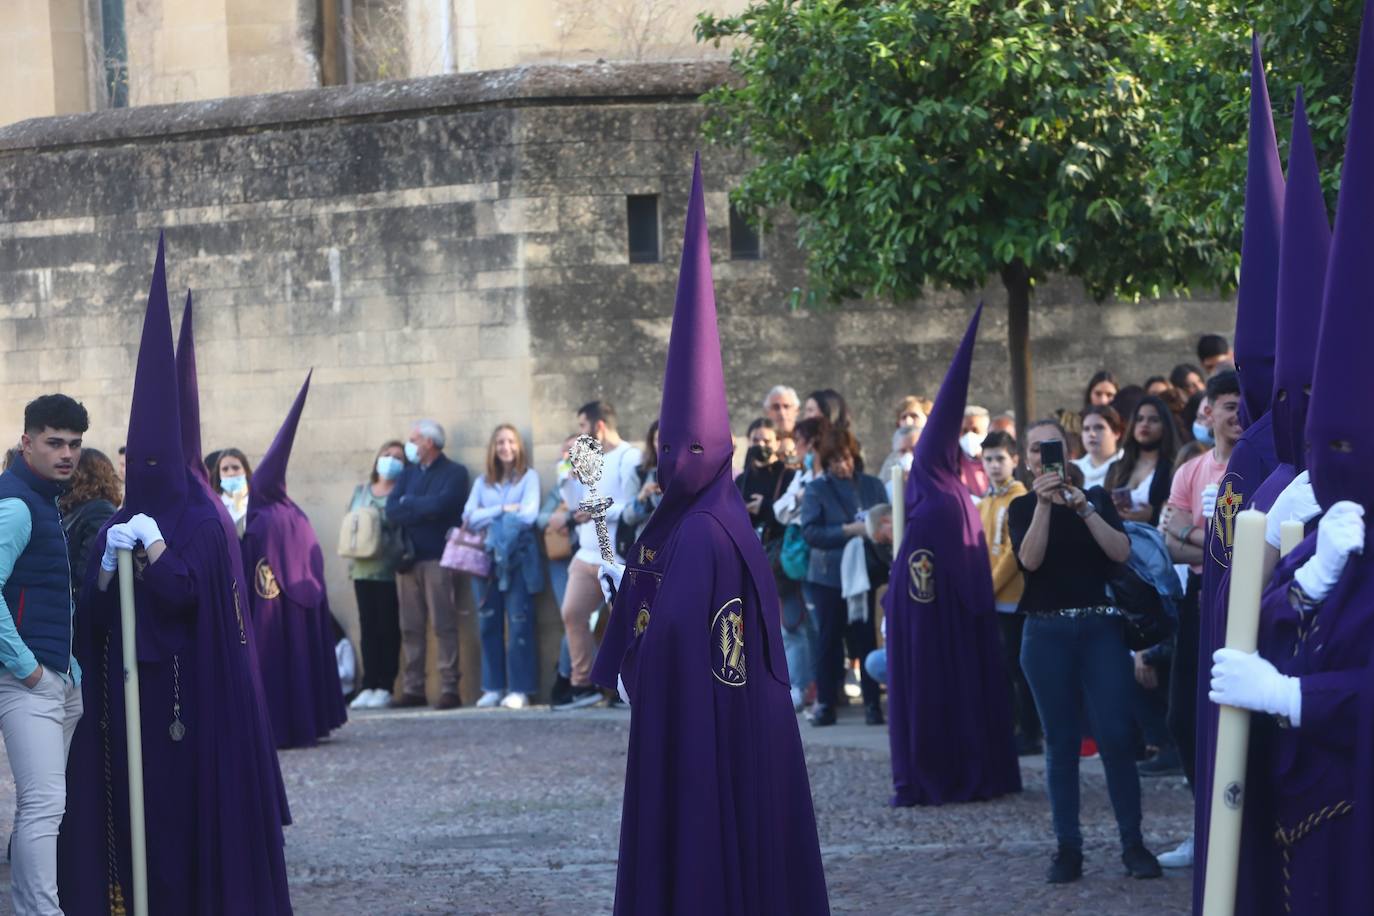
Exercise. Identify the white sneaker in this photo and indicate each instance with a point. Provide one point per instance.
(1182, 857)
(362, 701)
(515, 701)
(798, 699)
(381, 699)
(489, 699)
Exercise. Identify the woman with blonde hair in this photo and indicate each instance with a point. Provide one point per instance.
(504, 504)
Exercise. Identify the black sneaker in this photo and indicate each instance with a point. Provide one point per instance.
(873, 715)
(1066, 866)
(824, 715)
(582, 697)
(1140, 862)
(1165, 763)
(561, 691)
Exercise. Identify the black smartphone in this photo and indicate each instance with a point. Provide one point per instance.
(1052, 457)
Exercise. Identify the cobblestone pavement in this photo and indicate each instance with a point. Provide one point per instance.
(501, 811)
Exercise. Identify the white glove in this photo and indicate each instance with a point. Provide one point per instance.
(620, 689)
(1246, 681)
(1209, 501)
(119, 537)
(1339, 534)
(145, 529)
(609, 579)
(1297, 503)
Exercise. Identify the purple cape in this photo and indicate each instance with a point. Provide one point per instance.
(212, 798)
(292, 622)
(717, 815)
(188, 390)
(950, 724)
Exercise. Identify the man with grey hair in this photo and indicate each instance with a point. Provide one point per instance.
(781, 405)
(426, 502)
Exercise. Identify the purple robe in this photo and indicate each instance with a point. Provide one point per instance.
(211, 791)
(717, 816)
(292, 623)
(949, 711)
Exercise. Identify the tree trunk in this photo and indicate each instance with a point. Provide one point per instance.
(1016, 279)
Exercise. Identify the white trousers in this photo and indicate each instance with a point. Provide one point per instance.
(37, 723)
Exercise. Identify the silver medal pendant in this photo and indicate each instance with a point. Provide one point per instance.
(176, 730)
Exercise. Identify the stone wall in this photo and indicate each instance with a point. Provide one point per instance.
(453, 247)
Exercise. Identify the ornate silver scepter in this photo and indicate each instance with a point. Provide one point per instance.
(587, 461)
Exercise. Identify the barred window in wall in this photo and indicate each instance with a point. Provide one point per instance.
(114, 48)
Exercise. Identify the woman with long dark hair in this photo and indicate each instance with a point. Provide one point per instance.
(1102, 388)
(1139, 480)
(230, 480)
(638, 511)
(94, 496)
(374, 585)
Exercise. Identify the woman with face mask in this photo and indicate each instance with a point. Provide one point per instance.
(230, 479)
(374, 585)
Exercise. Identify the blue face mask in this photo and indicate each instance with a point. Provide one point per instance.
(389, 467)
(1203, 434)
(808, 461)
(412, 453)
(232, 485)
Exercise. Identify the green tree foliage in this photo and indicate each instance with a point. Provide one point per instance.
(938, 142)
(1202, 71)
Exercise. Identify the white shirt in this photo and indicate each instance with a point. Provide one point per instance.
(619, 481)
(1095, 476)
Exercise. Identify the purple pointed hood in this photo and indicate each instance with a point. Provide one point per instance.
(1302, 273)
(155, 477)
(694, 441)
(1340, 438)
(937, 451)
(269, 478)
(1256, 301)
(189, 389)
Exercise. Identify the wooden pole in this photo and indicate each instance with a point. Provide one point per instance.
(133, 731)
(1233, 725)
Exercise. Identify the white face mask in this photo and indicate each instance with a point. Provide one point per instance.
(971, 443)
(389, 467)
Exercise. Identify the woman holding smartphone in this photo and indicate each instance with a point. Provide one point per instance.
(1139, 481)
(1073, 651)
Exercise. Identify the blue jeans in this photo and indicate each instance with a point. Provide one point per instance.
(799, 635)
(558, 580)
(1073, 662)
(497, 610)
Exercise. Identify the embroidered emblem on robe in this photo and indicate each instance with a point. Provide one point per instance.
(921, 578)
(727, 645)
(265, 581)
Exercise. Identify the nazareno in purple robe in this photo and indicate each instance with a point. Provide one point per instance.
(212, 790)
(292, 622)
(188, 389)
(949, 710)
(717, 815)
(1302, 274)
(1322, 832)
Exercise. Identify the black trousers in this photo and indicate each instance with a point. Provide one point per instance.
(832, 617)
(1183, 677)
(1009, 627)
(379, 616)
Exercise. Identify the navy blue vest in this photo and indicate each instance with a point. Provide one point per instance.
(39, 590)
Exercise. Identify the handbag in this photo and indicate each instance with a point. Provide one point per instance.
(558, 544)
(1148, 623)
(796, 553)
(465, 552)
(360, 532)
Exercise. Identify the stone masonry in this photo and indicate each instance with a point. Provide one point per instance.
(456, 247)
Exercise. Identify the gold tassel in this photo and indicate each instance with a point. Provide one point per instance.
(117, 901)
